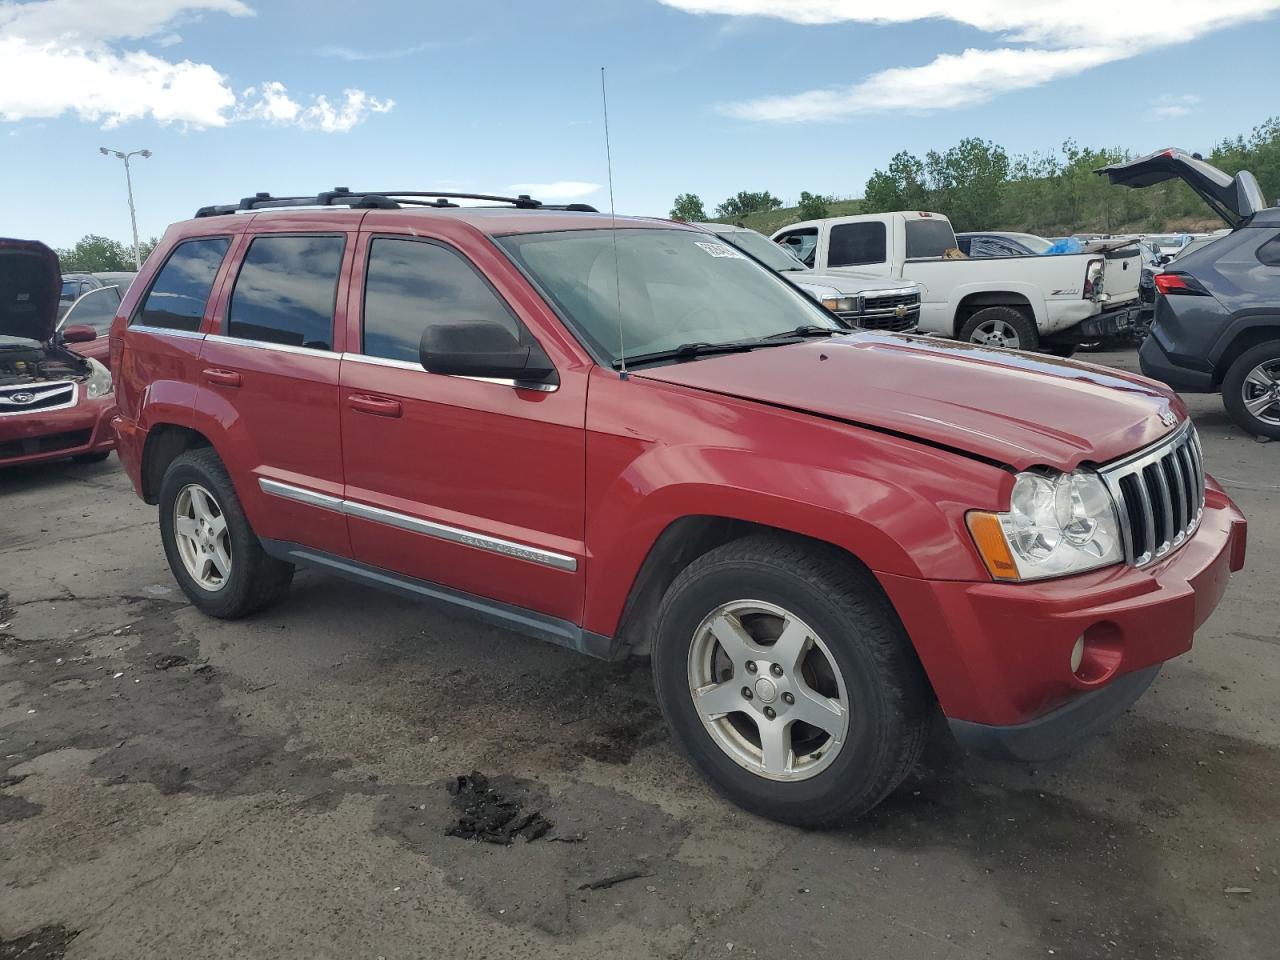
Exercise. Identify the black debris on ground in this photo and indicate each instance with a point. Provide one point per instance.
(604, 883)
(485, 814)
(47, 943)
(171, 660)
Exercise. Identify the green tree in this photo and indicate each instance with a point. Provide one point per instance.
(965, 182)
(97, 254)
(901, 187)
(688, 209)
(813, 206)
(745, 202)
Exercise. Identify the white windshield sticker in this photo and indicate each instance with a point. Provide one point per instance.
(719, 250)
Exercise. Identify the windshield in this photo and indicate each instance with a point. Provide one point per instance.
(677, 287)
(763, 249)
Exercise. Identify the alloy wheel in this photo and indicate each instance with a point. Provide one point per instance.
(201, 534)
(996, 333)
(1261, 391)
(768, 690)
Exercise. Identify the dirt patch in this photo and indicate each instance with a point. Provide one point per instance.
(487, 815)
(47, 943)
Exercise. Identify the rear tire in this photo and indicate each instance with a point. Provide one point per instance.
(1252, 381)
(213, 552)
(855, 672)
(1005, 327)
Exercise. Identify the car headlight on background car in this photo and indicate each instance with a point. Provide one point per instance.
(1057, 524)
(99, 384)
(841, 304)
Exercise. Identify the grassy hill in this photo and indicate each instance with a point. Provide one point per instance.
(771, 221)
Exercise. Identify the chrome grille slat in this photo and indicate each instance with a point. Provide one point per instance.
(1159, 494)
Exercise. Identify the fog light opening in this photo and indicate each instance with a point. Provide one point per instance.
(1097, 653)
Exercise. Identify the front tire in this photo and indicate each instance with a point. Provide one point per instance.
(1251, 390)
(788, 680)
(1004, 327)
(213, 552)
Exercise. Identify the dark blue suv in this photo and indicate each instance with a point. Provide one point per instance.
(1217, 312)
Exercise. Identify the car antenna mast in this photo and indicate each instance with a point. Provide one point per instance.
(613, 228)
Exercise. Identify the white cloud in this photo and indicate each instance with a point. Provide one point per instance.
(559, 191)
(352, 55)
(1175, 106)
(67, 56)
(1061, 38)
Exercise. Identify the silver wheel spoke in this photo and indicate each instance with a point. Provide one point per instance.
(217, 525)
(734, 639)
(1260, 377)
(200, 505)
(716, 700)
(1259, 405)
(819, 711)
(221, 560)
(775, 746)
(185, 527)
(791, 645)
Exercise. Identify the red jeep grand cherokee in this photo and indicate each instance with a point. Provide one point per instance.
(53, 403)
(821, 537)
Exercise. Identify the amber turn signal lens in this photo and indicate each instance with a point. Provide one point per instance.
(992, 546)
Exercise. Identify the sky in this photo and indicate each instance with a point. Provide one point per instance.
(710, 97)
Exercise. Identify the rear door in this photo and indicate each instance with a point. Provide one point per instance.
(474, 484)
(269, 377)
(1235, 199)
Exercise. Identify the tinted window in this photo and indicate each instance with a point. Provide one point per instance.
(285, 290)
(97, 308)
(964, 243)
(855, 243)
(801, 243)
(410, 285)
(1269, 252)
(928, 238)
(177, 299)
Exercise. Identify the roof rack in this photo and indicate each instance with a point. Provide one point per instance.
(381, 200)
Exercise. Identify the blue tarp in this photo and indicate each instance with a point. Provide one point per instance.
(1065, 245)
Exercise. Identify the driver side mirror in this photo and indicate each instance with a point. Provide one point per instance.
(482, 349)
(79, 333)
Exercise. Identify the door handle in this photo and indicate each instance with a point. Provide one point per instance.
(375, 406)
(227, 378)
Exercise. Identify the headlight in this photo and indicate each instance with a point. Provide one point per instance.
(1057, 524)
(841, 304)
(99, 384)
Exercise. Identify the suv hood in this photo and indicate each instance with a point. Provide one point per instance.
(30, 283)
(1234, 199)
(1017, 409)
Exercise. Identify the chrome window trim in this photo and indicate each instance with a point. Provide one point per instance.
(268, 345)
(167, 331)
(439, 531)
(41, 390)
(409, 365)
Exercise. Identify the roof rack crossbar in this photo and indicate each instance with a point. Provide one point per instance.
(381, 199)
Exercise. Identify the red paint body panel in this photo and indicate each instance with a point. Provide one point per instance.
(90, 417)
(877, 444)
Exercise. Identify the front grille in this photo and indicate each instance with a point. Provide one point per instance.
(1160, 493)
(883, 313)
(48, 443)
(36, 397)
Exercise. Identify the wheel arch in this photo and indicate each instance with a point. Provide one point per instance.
(1255, 330)
(971, 303)
(165, 443)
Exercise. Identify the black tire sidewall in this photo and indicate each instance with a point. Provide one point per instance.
(1233, 387)
(1028, 335)
(854, 781)
(199, 467)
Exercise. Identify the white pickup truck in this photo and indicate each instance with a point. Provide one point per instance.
(1042, 302)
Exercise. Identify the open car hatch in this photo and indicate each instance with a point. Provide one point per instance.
(1234, 199)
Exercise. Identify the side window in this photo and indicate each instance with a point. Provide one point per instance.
(412, 284)
(177, 299)
(97, 309)
(285, 290)
(801, 243)
(1269, 252)
(965, 244)
(857, 243)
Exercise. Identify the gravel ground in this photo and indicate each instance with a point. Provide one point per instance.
(173, 786)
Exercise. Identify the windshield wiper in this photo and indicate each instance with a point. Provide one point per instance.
(804, 330)
(687, 351)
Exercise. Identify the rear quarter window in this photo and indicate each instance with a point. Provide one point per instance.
(1269, 252)
(929, 239)
(180, 293)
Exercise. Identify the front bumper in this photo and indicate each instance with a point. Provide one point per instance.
(998, 654)
(39, 436)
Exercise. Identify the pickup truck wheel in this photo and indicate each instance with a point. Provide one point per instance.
(788, 680)
(213, 552)
(1004, 327)
(1251, 390)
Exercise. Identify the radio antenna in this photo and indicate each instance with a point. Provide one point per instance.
(613, 228)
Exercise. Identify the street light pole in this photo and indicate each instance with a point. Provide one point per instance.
(128, 179)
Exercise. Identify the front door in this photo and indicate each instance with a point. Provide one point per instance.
(269, 378)
(473, 484)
